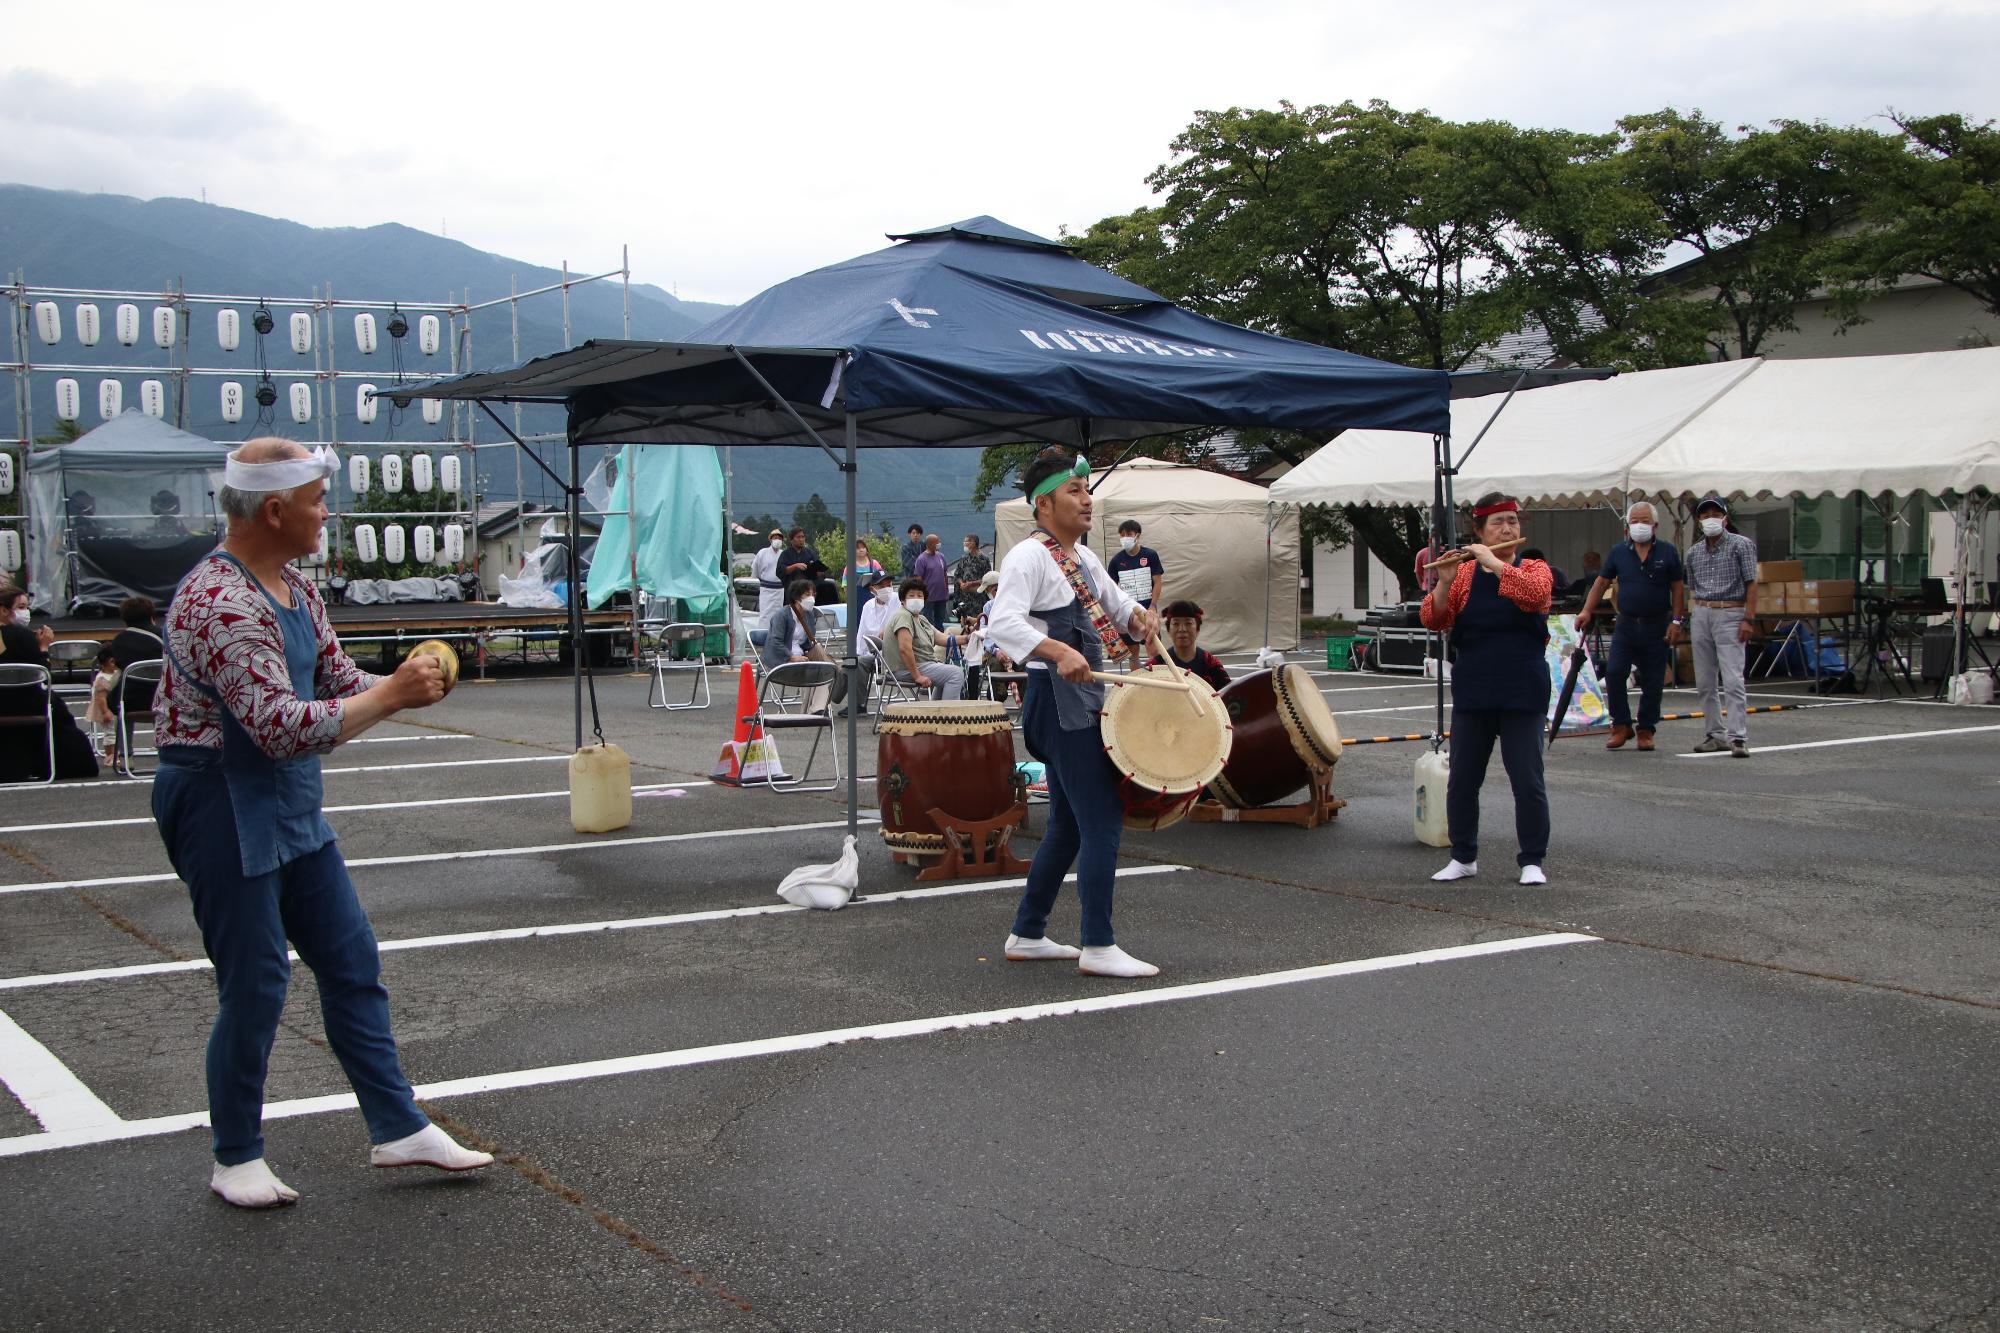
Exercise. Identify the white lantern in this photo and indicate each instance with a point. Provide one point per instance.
(420, 472)
(365, 404)
(427, 544)
(128, 325)
(153, 398)
(228, 329)
(392, 543)
(232, 401)
(48, 321)
(10, 550)
(166, 325)
(357, 474)
(433, 410)
(69, 400)
(110, 398)
(87, 324)
(392, 473)
(427, 334)
(364, 333)
(448, 468)
(302, 403)
(364, 543)
(320, 549)
(6, 474)
(454, 543)
(302, 332)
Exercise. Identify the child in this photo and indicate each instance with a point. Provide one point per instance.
(103, 711)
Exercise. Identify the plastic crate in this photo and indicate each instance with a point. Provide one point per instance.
(1340, 652)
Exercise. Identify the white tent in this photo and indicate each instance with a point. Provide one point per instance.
(1222, 542)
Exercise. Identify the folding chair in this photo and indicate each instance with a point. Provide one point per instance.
(66, 658)
(23, 680)
(141, 679)
(889, 689)
(680, 632)
(802, 678)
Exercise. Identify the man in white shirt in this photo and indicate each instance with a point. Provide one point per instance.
(764, 568)
(876, 609)
(1044, 620)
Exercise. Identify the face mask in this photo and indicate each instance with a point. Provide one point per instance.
(777, 543)
(21, 617)
(1128, 542)
(1711, 527)
(807, 603)
(914, 605)
(883, 595)
(1642, 533)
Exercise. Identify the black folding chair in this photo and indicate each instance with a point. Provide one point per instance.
(801, 678)
(24, 681)
(138, 688)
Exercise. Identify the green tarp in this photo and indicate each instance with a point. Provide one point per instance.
(678, 522)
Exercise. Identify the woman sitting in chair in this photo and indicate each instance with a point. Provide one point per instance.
(791, 634)
(24, 755)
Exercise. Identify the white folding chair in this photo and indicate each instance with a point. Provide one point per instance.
(799, 679)
(140, 682)
(680, 632)
(24, 682)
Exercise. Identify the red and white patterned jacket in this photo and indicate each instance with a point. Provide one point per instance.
(222, 626)
(1529, 585)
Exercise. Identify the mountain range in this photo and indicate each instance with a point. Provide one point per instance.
(106, 243)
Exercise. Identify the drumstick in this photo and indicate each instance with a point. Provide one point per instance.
(1173, 669)
(1456, 556)
(1149, 682)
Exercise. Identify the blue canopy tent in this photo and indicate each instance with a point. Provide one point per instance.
(966, 335)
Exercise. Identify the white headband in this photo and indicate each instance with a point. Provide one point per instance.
(281, 474)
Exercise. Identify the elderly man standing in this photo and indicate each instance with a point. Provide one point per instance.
(255, 689)
(764, 568)
(1652, 604)
(1722, 586)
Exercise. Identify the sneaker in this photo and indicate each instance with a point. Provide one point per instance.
(1739, 749)
(1533, 875)
(1709, 745)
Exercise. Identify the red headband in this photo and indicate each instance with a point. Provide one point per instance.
(1497, 507)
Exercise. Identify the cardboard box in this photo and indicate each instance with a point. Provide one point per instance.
(1772, 599)
(1780, 571)
(1822, 597)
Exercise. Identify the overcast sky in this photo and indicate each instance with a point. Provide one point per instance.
(732, 146)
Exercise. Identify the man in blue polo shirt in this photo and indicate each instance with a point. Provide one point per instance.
(1652, 603)
(1137, 568)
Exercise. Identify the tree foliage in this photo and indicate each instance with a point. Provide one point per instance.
(1931, 202)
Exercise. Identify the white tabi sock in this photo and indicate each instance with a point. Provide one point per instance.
(1020, 950)
(429, 1146)
(1112, 961)
(1457, 870)
(251, 1185)
(1533, 875)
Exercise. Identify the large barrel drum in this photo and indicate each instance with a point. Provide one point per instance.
(1166, 744)
(1283, 734)
(956, 756)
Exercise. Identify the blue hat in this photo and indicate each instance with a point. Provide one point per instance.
(1712, 501)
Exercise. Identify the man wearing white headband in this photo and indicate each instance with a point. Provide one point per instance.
(255, 689)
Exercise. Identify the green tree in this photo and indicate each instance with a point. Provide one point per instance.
(815, 518)
(760, 526)
(1931, 202)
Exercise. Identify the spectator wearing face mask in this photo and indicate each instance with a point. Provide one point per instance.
(24, 750)
(1137, 568)
(1722, 590)
(936, 576)
(971, 567)
(913, 548)
(876, 608)
(1652, 603)
(916, 650)
(764, 568)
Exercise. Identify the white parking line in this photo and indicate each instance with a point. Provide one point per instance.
(482, 854)
(422, 736)
(1850, 740)
(43, 1084)
(805, 1041)
(126, 784)
(573, 928)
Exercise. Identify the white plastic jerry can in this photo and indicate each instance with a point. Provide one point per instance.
(1433, 773)
(600, 789)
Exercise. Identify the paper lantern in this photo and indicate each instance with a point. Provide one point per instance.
(427, 334)
(392, 473)
(427, 544)
(357, 474)
(69, 400)
(448, 469)
(454, 543)
(320, 549)
(166, 325)
(10, 550)
(6, 474)
(128, 325)
(110, 398)
(87, 327)
(153, 398)
(364, 333)
(420, 472)
(232, 401)
(433, 410)
(48, 321)
(364, 543)
(302, 403)
(228, 329)
(365, 404)
(392, 543)
(302, 332)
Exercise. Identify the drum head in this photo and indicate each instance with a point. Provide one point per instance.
(1158, 741)
(946, 717)
(1308, 721)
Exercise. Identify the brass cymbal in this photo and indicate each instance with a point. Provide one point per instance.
(447, 659)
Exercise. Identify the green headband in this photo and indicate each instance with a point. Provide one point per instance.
(1055, 479)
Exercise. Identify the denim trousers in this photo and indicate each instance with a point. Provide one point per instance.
(1643, 646)
(244, 923)
(1473, 731)
(1085, 820)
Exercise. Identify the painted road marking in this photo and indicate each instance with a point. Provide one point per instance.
(805, 1041)
(575, 928)
(43, 1084)
(1851, 740)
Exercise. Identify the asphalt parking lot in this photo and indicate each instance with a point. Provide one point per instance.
(1737, 1066)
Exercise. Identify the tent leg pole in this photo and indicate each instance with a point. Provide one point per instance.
(572, 510)
(852, 664)
(1442, 452)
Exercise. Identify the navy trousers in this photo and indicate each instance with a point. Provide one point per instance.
(244, 925)
(1085, 820)
(1473, 731)
(1643, 646)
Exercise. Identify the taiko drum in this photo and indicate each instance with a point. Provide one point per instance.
(1283, 734)
(955, 756)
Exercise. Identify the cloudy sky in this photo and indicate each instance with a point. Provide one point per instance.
(732, 146)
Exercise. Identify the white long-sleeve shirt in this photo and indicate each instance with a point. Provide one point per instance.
(875, 614)
(1031, 578)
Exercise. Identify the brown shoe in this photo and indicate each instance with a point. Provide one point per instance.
(1645, 740)
(1620, 733)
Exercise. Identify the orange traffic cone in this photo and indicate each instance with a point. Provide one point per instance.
(729, 764)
